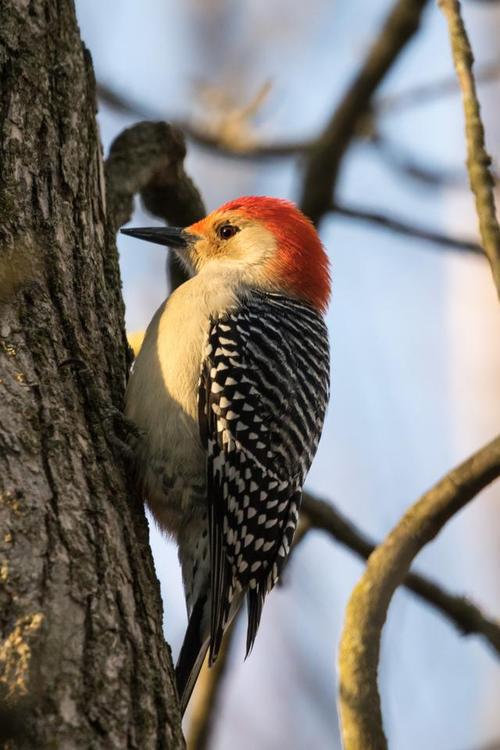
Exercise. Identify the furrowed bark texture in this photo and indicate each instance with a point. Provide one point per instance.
(83, 662)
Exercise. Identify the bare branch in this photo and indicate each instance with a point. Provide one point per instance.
(359, 700)
(461, 612)
(326, 155)
(478, 160)
(401, 227)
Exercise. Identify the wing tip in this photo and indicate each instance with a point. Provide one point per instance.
(255, 602)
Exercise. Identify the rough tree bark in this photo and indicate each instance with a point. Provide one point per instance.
(83, 662)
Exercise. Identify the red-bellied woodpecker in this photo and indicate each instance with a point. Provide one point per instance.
(229, 392)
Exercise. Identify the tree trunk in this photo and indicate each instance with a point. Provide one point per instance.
(83, 662)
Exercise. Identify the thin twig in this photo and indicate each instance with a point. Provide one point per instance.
(326, 156)
(428, 92)
(359, 700)
(478, 160)
(404, 163)
(410, 230)
(462, 613)
(397, 158)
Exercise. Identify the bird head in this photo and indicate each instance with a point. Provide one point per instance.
(260, 242)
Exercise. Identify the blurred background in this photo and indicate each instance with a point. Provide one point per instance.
(414, 328)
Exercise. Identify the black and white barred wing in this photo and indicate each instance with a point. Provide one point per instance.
(262, 401)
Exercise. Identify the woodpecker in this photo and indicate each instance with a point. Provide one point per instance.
(229, 393)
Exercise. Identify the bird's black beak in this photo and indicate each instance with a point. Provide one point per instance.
(169, 236)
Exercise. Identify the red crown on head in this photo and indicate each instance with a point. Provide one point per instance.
(301, 262)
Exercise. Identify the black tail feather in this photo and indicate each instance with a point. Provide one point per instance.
(192, 654)
(221, 587)
(220, 613)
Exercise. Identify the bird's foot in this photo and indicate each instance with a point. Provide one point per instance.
(125, 435)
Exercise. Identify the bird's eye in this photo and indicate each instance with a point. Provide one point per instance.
(226, 231)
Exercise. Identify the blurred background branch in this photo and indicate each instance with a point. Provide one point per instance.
(426, 174)
(147, 159)
(200, 134)
(326, 155)
(208, 138)
(391, 223)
